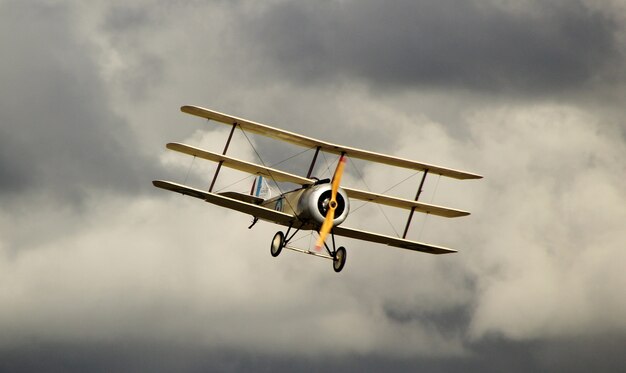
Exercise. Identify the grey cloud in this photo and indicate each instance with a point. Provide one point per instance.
(144, 284)
(127, 27)
(59, 135)
(601, 353)
(552, 47)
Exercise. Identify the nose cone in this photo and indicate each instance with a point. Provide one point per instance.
(315, 203)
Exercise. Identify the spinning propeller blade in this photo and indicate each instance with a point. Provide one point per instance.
(332, 205)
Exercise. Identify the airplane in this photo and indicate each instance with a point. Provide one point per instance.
(319, 205)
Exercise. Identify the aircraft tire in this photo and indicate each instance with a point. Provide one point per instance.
(277, 244)
(339, 260)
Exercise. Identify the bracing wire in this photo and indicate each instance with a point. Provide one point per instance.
(378, 205)
(390, 188)
(327, 164)
(293, 156)
(328, 169)
(264, 165)
(271, 166)
(189, 169)
(235, 183)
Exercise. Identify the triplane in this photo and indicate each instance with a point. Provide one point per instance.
(320, 205)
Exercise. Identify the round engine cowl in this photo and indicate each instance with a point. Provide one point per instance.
(313, 204)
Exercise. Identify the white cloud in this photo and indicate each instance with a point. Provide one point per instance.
(539, 258)
(550, 226)
(170, 268)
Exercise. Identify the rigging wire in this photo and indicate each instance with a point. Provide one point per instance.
(390, 188)
(264, 165)
(235, 183)
(189, 169)
(368, 188)
(293, 156)
(328, 169)
(326, 163)
(271, 166)
(377, 204)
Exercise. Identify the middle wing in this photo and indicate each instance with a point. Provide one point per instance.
(281, 176)
(402, 203)
(270, 173)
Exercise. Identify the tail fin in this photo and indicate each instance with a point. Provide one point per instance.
(260, 188)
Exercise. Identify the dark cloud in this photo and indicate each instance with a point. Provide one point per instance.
(549, 47)
(451, 322)
(127, 26)
(163, 283)
(580, 355)
(59, 135)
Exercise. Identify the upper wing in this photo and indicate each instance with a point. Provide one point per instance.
(221, 200)
(391, 241)
(309, 142)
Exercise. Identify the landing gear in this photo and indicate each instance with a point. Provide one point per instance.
(281, 240)
(277, 244)
(339, 259)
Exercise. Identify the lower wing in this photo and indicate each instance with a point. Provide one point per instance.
(391, 241)
(230, 203)
(282, 218)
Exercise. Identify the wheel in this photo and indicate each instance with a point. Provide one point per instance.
(277, 244)
(339, 259)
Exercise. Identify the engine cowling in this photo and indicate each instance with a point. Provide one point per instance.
(313, 204)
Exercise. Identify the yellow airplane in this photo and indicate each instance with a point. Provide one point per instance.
(320, 205)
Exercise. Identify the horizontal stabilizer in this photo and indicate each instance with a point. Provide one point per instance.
(309, 142)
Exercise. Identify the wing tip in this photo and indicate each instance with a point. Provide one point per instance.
(196, 110)
(462, 175)
(429, 249)
(188, 108)
(159, 183)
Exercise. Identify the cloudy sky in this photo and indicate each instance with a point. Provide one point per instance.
(100, 271)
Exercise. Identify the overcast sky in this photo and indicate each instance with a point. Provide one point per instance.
(101, 271)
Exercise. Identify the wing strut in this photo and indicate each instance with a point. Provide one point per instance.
(317, 151)
(417, 197)
(219, 165)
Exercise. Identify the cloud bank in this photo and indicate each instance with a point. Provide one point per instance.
(100, 271)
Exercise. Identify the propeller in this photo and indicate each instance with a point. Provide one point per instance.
(332, 205)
